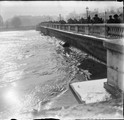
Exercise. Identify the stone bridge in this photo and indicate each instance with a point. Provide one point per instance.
(102, 41)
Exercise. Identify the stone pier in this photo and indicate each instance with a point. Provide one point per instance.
(115, 67)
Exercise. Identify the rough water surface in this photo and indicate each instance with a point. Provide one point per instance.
(33, 70)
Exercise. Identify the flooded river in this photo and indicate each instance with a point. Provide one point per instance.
(33, 69)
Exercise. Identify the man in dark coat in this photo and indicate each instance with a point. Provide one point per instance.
(110, 20)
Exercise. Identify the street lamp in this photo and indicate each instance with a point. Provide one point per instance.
(87, 13)
(105, 24)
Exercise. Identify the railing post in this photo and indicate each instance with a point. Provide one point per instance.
(76, 28)
(60, 26)
(87, 29)
(68, 27)
(105, 31)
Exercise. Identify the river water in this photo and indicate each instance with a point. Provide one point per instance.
(33, 69)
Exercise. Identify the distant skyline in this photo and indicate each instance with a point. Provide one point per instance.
(8, 9)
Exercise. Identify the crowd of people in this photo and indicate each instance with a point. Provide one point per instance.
(115, 19)
(95, 20)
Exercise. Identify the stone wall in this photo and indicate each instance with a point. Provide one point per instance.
(91, 45)
(115, 64)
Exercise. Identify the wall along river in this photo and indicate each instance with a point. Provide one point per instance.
(33, 69)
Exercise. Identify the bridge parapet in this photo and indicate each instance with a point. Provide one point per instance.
(109, 31)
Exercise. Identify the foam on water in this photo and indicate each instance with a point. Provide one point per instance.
(33, 70)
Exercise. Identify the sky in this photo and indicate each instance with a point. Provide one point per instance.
(8, 9)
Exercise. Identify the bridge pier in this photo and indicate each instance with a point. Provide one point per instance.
(115, 68)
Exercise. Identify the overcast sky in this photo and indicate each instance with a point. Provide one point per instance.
(9, 9)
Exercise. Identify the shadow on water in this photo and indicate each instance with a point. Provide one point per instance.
(97, 70)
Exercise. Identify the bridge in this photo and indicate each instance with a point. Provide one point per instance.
(102, 41)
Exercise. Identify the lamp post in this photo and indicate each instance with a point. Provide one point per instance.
(87, 13)
(87, 31)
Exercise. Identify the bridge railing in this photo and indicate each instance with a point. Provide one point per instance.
(100, 30)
